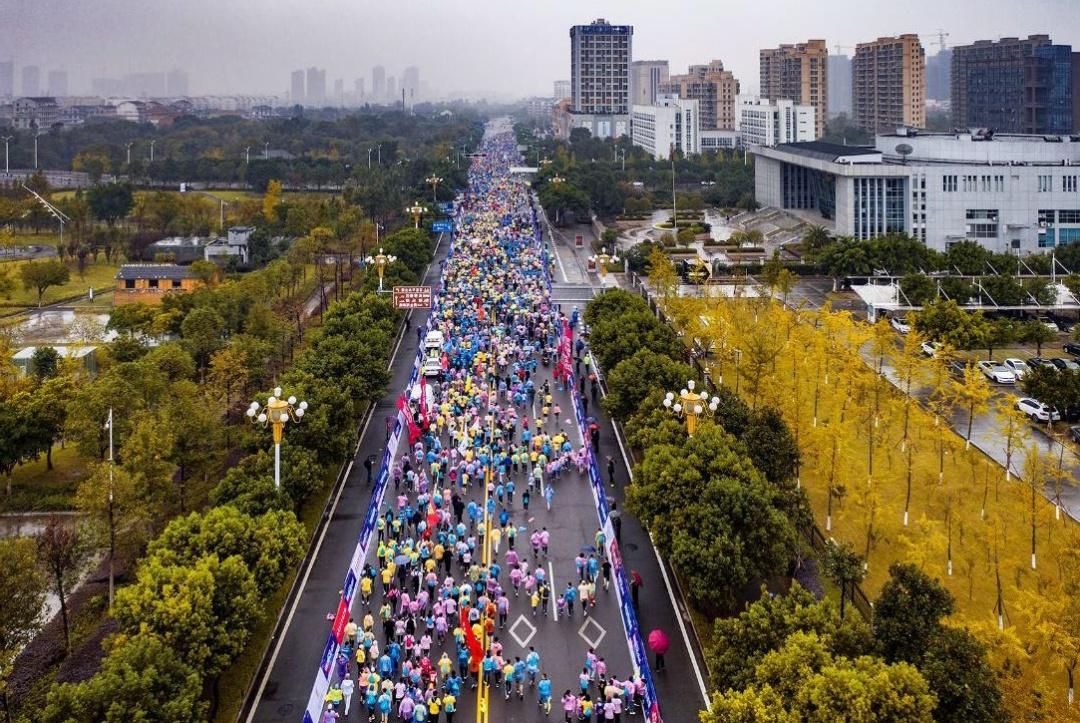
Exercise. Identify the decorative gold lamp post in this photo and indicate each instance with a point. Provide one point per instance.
(277, 413)
(690, 405)
(381, 261)
(434, 182)
(417, 211)
(602, 259)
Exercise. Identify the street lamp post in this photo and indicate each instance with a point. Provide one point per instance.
(434, 181)
(417, 211)
(690, 405)
(152, 151)
(602, 259)
(128, 146)
(247, 154)
(7, 164)
(266, 151)
(277, 413)
(381, 261)
(36, 135)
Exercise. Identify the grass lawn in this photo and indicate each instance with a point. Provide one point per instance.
(49, 238)
(35, 489)
(100, 275)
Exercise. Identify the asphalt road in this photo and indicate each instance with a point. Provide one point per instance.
(572, 523)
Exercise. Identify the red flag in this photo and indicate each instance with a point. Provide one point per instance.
(414, 431)
(476, 650)
(564, 366)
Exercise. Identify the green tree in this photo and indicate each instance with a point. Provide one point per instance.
(203, 611)
(270, 545)
(845, 568)
(1037, 333)
(40, 275)
(44, 363)
(908, 613)
(635, 377)
(617, 338)
(46, 411)
(110, 202)
(205, 271)
(918, 289)
(249, 486)
(771, 445)
(141, 679)
(21, 605)
(739, 643)
(203, 332)
(803, 681)
(131, 318)
(957, 670)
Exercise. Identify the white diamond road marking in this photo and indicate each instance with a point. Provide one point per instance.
(584, 636)
(532, 631)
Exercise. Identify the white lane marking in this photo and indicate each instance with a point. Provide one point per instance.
(558, 258)
(593, 642)
(521, 619)
(322, 535)
(551, 587)
(663, 572)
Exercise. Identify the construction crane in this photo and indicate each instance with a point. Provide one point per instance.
(941, 35)
(840, 48)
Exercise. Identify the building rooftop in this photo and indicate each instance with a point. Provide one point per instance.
(68, 352)
(153, 271)
(831, 152)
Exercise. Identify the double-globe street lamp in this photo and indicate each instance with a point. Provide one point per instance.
(691, 405)
(277, 412)
(381, 261)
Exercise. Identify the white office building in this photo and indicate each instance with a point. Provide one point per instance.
(671, 123)
(764, 122)
(1010, 193)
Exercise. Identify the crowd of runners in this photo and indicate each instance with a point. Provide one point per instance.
(462, 548)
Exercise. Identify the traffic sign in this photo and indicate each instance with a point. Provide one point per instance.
(412, 297)
(442, 226)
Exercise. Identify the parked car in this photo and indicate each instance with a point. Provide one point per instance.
(1036, 410)
(1074, 432)
(1018, 366)
(900, 324)
(1064, 364)
(997, 373)
(1072, 347)
(1038, 361)
(930, 348)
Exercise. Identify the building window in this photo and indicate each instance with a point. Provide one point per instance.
(153, 283)
(1045, 183)
(1068, 184)
(129, 283)
(982, 223)
(948, 184)
(1068, 216)
(176, 284)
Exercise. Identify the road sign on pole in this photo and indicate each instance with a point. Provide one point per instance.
(412, 297)
(445, 226)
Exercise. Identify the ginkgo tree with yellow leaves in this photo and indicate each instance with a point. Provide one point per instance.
(885, 472)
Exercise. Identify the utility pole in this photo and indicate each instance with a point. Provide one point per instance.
(128, 146)
(266, 151)
(36, 134)
(152, 150)
(7, 164)
(112, 528)
(247, 154)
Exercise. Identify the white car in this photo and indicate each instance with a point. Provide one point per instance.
(434, 340)
(1036, 410)
(997, 373)
(433, 364)
(1019, 367)
(931, 348)
(899, 324)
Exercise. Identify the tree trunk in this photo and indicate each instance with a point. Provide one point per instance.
(48, 457)
(63, 609)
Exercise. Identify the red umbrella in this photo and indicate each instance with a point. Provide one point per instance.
(658, 641)
(635, 579)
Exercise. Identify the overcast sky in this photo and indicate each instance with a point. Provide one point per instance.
(512, 47)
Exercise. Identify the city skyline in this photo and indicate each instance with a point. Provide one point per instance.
(462, 50)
